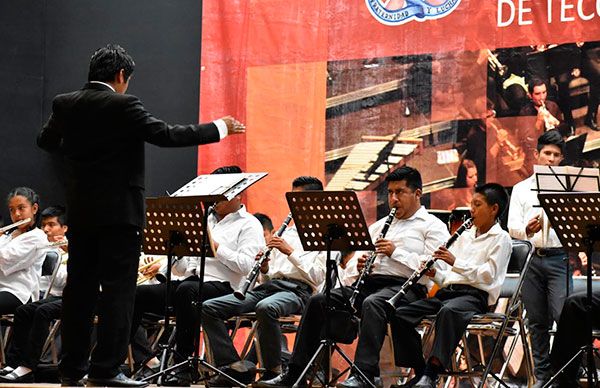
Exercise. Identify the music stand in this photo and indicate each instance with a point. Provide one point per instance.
(174, 227)
(577, 220)
(326, 221)
(205, 190)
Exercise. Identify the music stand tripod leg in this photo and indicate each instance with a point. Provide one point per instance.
(328, 344)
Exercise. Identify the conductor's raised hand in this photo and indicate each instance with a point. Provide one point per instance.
(234, 127)
(444, 254)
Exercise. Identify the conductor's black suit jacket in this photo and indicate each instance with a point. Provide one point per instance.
(101, 135)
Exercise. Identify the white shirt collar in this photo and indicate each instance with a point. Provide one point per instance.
(105, 84)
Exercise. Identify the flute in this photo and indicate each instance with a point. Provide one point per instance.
(14, 225)
(57, 244)
(371, 259)
(418, 274)
(253, 275)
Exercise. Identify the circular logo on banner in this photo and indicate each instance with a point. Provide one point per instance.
(396, 12)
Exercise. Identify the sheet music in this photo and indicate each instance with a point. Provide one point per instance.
(566, 178)
(228, 185)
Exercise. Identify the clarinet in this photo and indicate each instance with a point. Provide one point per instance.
(253, 275)
(418, 274)
(371, 259)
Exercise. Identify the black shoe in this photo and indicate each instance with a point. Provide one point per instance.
(268, 375)
(27, 378)
(353, 381)
(119, 380)
(71, 382)
(182, 378)
(425, 382)
(221, 381)
(145, 372)
(284, 380)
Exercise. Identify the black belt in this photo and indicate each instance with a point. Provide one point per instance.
(544, 252)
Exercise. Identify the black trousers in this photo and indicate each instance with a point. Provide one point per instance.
(8, 303)
(30, 330)
(454, 306)
(106, 257)
(572, 332)
(375, 314)
(184, 295)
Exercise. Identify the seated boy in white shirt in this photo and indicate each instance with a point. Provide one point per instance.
(477, 263)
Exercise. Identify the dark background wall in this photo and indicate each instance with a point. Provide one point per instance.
(45, 50)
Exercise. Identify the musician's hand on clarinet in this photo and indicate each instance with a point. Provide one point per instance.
(385, 247)
(444, 254)
(234, 127)
(281, 245)
(264, 267)
(533, 226)
(430, 272)
(360, 263)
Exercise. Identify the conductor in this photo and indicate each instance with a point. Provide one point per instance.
(100, 132)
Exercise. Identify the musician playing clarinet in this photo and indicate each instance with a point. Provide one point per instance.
(477, 264)
(288, 278)
(412, 235)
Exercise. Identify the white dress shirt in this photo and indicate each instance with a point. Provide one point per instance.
(524, 205)
(21, 261)
(240, 237)
(416, 238)
(481, 261)
(308, 267)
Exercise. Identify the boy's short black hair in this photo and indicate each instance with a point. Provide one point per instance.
(57, 211)
(265, 221)
(309, 183)
(552, 137)
(228, 170)
(494, 194)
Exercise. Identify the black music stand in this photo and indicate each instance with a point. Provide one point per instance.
(326, 221)
(205, 190)
(175, 226)
(565, 179)
(576, 217)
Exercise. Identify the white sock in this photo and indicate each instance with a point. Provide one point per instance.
(21, 371)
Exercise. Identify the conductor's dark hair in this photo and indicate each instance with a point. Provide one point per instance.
(265, 221)
(408, 174)
(107, 61)
(30, 195)
(494, 194)
(552, 137)
(535, 81)
(57, 211)
(308, 183)
(228, 170)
